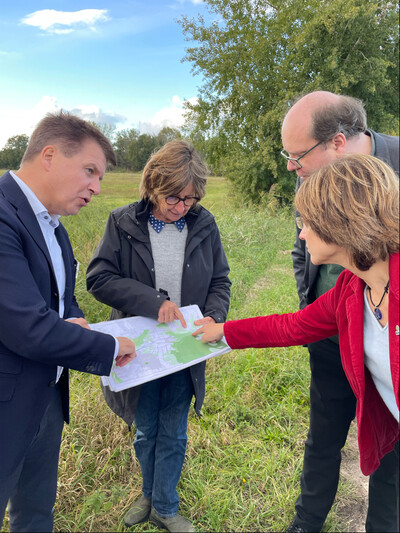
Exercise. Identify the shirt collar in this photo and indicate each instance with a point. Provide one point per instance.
(37, 207)
(158, 225)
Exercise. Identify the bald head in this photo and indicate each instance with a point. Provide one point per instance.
(320, 127)
(302, 112)
(323, 114)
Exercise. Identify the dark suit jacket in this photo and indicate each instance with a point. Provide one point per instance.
(305, 272)
(33, 338)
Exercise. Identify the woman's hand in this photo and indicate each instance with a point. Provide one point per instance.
(169, 312)
(210, 332)
(204, 321)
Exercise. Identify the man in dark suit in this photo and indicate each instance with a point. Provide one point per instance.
(42, 329)
(318, 128)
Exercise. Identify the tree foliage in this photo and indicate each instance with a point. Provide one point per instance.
(106, 129)
(133, 149)
(14, 149)
(140, 151)
(255, 56)
(123, 139)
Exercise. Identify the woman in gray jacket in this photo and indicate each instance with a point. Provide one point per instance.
(155, 256)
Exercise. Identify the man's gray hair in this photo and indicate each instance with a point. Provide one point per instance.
(347, 116)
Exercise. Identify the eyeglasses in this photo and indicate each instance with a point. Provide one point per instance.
(187, 201)
(295, 161)
(299, 223)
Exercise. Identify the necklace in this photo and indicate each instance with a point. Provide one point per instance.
(377, 311)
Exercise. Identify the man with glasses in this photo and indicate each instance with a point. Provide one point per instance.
(318, 128)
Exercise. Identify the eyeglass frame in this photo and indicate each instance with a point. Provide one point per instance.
(194, 198)
(297, 161)
(299, 222)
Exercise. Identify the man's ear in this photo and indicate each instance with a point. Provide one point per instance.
(339, 143)
(47, 156)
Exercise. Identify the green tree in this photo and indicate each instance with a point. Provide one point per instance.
(139, 151)
(11, 154)
(133, 150)
(106, 129)
(122, 142)
(255, 56)
(167, 134)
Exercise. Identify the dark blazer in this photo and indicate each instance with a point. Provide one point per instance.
(121, 274)
(305, 272)
(33, 338)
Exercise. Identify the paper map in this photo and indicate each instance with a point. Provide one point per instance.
(161, 348)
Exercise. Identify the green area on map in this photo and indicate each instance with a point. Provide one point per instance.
(185, 348)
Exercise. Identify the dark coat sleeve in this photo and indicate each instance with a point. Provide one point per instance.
(30, 326)
(218, 297)
(316, 322)
(299, 254)
(299, 266)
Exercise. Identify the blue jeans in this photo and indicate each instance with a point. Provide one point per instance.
(160, 444)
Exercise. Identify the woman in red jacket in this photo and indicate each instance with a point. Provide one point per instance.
(349, 216)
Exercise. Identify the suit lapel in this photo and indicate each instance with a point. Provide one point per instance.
(24, 212)
(18, 200)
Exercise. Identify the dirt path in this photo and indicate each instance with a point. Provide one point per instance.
(353, 509)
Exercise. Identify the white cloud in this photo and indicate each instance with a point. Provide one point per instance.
(62, 22)
(172, 116)
(23, 121)
(17, 121)
(195, 2)
(48, 104)
(95, 114)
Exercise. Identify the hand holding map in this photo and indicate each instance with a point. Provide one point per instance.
(161, 349)
(126, 351)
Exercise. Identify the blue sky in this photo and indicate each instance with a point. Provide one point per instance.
(114, 61)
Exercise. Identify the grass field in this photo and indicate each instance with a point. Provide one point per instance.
(244, 455)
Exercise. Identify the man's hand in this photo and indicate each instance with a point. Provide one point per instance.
(210, 332)
(126, 352)
(80, 321)
(169, 312)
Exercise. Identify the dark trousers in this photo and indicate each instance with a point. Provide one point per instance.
(332, 408)
(31, 490)
(383, 496)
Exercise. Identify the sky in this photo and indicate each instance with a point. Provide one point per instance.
(111, 61)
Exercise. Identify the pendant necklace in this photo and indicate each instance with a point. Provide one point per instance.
(377, 311)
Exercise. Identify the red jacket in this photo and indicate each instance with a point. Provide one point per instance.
(340, 310)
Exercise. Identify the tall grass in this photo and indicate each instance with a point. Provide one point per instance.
(244, 454)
